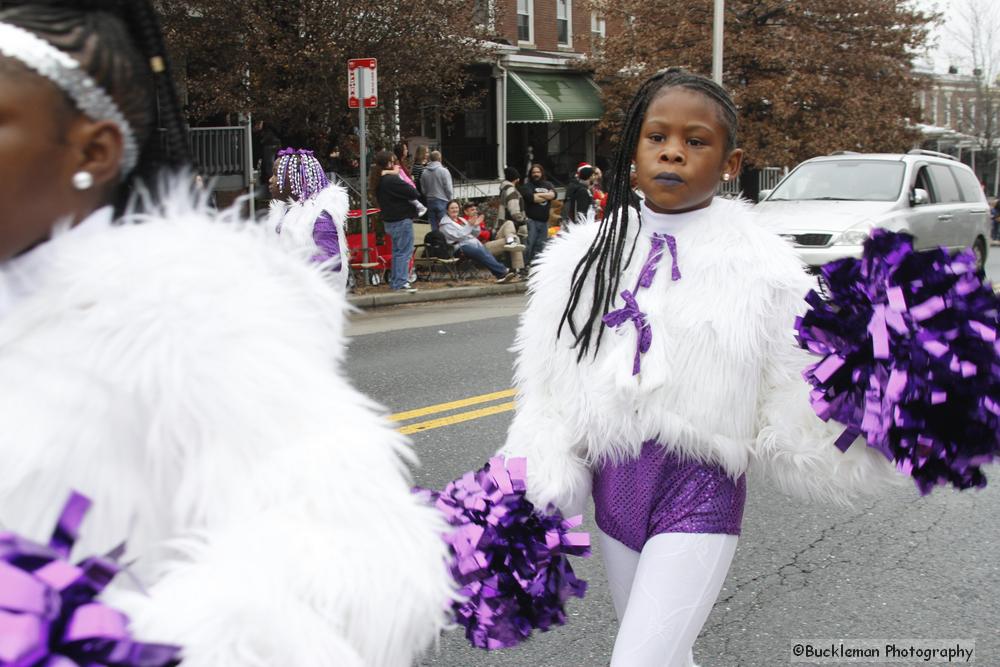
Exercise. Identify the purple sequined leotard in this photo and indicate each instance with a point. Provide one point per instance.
(660, 492)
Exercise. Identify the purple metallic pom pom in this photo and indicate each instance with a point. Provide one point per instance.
(48, 613)
(910, 359)
(510, 560)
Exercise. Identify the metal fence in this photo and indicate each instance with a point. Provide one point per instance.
(222, 153)
(767, 178)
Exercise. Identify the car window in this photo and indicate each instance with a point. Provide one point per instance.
(968, 184)
(853, 180)
(945, 187)
(923, 181)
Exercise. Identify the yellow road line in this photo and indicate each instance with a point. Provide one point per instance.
(456, 419)
(454, 405)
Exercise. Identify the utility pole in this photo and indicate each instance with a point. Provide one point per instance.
(718, 26)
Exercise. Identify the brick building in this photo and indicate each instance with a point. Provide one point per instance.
(539, 103)
(961, 117)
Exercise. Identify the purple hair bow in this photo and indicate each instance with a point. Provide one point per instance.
(631, 311)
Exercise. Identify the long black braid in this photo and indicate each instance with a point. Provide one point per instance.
(603, 259)
(119, 43)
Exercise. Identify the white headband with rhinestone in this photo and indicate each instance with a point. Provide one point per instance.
(65, 72)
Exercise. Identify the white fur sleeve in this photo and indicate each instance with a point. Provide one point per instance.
(794, 447)
(542, 429)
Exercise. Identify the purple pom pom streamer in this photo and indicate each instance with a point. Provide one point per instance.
(510, 560)
(48, 613)
(910, 359)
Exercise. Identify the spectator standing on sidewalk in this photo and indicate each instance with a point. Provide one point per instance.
(395, 197)
(463, 237)
(579, 200)
(538, 194)
(437, 187)
(419, 164)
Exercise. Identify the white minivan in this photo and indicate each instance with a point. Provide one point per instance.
(827, 206)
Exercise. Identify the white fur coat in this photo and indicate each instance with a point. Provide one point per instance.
(187, 376)
(296, 220)
(721, 381)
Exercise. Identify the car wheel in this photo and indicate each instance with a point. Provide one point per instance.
(979, 251)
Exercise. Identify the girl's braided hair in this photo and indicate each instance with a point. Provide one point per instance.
(299, 174)
(603, 259)
(119, 43)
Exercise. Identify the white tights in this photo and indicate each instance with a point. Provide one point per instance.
(663, 595)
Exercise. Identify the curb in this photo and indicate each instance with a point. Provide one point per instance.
(444, 294)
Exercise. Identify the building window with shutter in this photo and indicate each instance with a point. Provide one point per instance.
(524, 21)
(563, 18)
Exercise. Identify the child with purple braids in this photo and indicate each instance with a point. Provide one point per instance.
(308, 211)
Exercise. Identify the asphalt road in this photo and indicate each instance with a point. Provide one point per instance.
(898, 568)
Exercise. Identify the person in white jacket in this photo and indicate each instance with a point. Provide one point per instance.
(656, 362)
(186, 374)
(309, 213)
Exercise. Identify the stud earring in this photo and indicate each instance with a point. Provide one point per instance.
(83, 180)
(725, 177)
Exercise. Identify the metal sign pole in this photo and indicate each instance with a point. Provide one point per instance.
(718, 27)
(249, 166)
(364, 176)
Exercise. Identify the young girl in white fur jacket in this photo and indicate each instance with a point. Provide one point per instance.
(656, 363)
(187, 375)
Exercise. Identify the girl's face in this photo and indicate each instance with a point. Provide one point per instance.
(681, 155)
(453, 210)
(35, 169)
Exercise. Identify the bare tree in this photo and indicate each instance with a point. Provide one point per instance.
(809, 76)
(974, 35)
(286, 60)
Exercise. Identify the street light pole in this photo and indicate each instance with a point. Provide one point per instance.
(718, 24)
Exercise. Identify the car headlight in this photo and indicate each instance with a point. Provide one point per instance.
(854, 236)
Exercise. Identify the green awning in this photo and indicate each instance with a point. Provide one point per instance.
(546, 97)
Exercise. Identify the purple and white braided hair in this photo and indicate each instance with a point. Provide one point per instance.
(300, 171)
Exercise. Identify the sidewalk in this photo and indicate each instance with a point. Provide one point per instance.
(377, 297)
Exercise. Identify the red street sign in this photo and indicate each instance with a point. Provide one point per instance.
(370, 92)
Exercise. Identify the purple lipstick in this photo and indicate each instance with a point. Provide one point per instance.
(669, 178)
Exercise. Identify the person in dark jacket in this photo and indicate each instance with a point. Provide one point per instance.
(579, 200)
(396, 198)
(538, 195)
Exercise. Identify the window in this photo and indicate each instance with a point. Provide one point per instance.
(429, 122)
(972, 191)
(843, 180)
(598, 31)
(945, 187)
(524, 21)
(563, 17)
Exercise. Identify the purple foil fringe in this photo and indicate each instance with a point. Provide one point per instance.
(49, 616)
(910, 359)
(509, 559)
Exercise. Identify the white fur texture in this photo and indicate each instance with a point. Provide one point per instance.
(186, 375)
(296, 220)
(714, 385)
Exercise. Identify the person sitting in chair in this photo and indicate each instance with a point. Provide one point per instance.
(463, 235)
